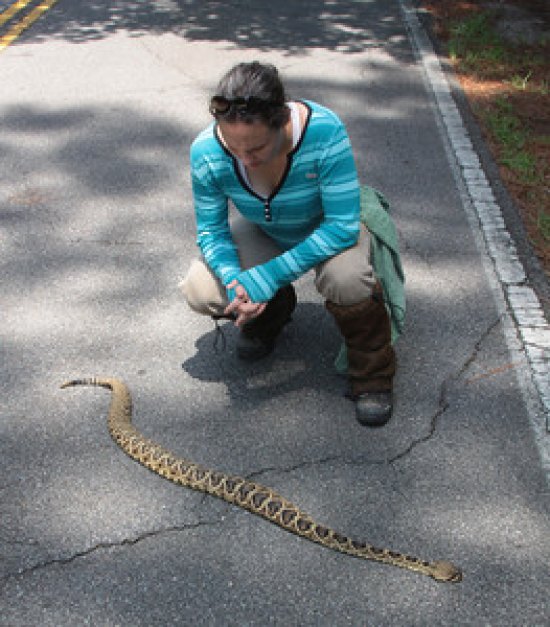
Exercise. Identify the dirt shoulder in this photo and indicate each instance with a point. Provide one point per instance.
(499, 52)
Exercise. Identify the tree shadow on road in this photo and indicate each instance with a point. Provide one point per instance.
(293, 27)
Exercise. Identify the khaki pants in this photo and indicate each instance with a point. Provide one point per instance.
(345, 279)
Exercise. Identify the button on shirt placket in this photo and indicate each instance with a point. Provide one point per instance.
(267, 211)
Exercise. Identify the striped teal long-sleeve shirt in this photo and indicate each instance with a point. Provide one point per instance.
(312, 215)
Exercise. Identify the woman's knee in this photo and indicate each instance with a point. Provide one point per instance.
(347, 278)
(203, 292)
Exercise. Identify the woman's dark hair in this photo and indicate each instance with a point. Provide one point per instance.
(251, 92)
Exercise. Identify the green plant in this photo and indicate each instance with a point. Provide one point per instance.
(474, 40)
(512, 138)
(507, 83)
(505, 125)
(519, 82)
(523, 164)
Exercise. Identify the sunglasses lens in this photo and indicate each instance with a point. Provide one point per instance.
(241, 105)
(251, 105)
(219, 105)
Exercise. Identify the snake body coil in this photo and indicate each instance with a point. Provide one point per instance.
(251, 496)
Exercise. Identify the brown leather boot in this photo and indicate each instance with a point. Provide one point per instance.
(257, 337)
(371, 359)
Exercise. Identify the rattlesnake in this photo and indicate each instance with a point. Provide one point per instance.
(247, 494)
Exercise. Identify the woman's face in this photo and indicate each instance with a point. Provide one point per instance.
(254, 144)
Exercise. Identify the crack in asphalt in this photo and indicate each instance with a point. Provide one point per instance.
(100, 546)
(359, 460)
(444, 403)
(231, 508)
(288, 469)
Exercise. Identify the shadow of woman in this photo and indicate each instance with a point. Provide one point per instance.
(303, 359)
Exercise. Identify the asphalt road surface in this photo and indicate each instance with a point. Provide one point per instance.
(99, 102)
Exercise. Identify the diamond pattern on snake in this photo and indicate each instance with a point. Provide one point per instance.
(252, 496)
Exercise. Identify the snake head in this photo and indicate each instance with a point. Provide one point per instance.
(446, 571)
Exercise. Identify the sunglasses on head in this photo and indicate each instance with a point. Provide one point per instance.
(219, 105)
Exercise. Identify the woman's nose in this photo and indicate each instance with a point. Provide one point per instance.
(247, 159)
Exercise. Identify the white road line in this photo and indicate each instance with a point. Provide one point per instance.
(515, 299)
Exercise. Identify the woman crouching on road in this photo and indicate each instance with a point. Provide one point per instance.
(288, 168)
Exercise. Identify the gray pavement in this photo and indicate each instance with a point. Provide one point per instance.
(102, 102)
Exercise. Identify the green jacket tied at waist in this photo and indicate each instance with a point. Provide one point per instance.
(385, 260)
